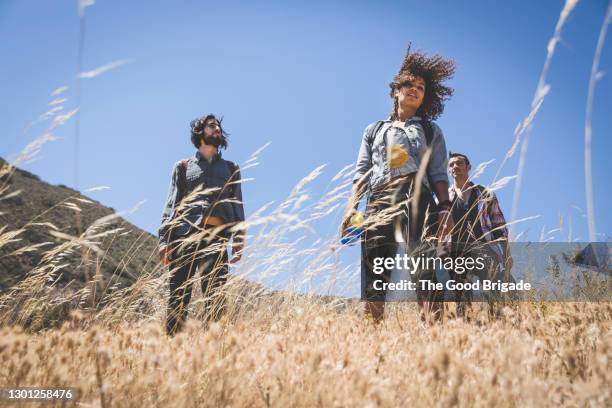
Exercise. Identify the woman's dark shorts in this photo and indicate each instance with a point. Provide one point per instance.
(379, 238)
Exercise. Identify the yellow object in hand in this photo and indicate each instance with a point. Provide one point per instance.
(357, 219)
(398, 156)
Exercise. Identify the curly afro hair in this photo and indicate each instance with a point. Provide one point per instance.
(434, 70)
(197, 130)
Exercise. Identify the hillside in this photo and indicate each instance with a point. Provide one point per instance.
(114, 262)
(47, 214)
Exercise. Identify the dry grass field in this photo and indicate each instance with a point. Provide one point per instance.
(300, 351)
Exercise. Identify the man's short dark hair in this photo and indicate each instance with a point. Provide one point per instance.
(451, 155)
(197, 130)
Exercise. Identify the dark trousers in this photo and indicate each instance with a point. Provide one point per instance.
(463, 298)
(412, 220)
(209, 257)
(377, 242)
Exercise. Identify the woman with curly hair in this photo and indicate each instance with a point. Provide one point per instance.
(402, 162)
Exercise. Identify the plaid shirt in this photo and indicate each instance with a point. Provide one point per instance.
(490, 216)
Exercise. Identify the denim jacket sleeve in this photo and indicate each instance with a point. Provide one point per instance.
(437, 168)
(169, 206)
(364, 158)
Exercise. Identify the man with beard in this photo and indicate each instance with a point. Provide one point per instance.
(203, 212)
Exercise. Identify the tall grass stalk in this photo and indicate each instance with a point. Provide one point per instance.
(542, 89)
(588, 161)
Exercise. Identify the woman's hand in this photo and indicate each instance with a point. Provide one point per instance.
(445, 224)
(346, 220)
(237, 249)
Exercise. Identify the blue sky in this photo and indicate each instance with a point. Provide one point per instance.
(307, 77)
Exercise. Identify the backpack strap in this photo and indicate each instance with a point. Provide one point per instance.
(232, 169)
(483, 190)
(429, 131)
(372, 133)
(181, 187)
(231, 166)
(181, 184)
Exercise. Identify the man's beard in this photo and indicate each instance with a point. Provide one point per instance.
(212, 141)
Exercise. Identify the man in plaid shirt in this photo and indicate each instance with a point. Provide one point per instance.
(480, 226)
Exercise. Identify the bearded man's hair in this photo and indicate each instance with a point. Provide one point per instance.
(197, 130)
